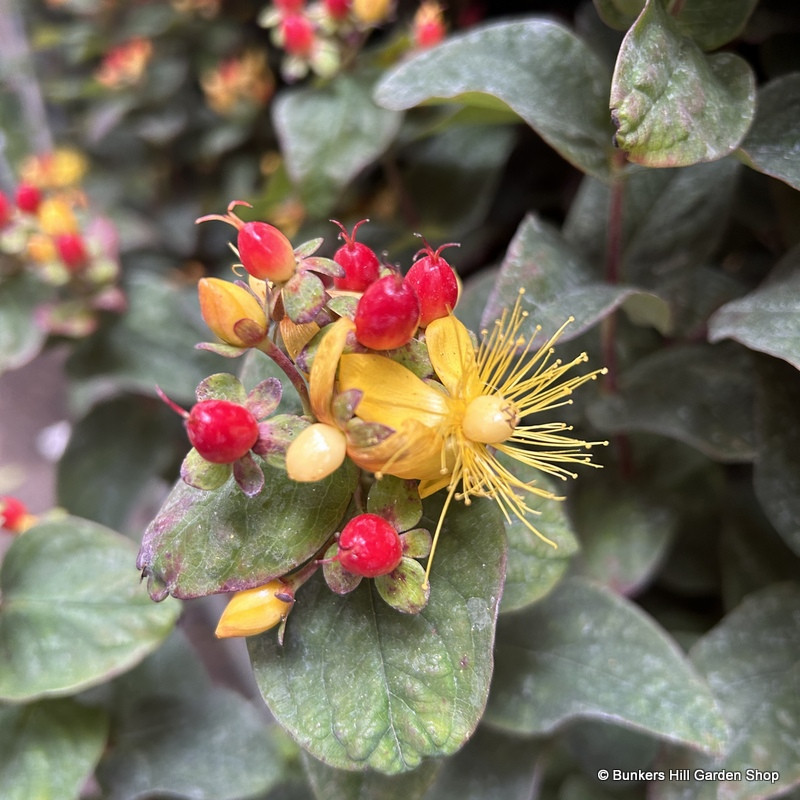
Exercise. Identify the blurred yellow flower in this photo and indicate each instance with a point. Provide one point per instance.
(56, 216)
(57, 170)
(125, 64)
(241, 80)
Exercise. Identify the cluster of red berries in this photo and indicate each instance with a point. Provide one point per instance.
(70, 247)
(392, 308)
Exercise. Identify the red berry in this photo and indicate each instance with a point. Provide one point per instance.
(265, 252)
(359, 262)
(72, 250)
(221, 431)
(338, 9)
(369, 546)
(298, 34)
(434, 281)
(28, 198)
(13, 513)
(290, 6)
(5, 210)
(387, 315)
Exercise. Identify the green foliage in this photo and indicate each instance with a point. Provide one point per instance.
(633, 168)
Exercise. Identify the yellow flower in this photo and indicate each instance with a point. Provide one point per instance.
(56, 216)
(253, 611)
(232, 312)
(447, 435)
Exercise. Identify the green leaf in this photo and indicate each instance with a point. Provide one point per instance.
(114, 453)
(222, 541)
(361, 686)
(698, 394)
(49, 749)
(536, 67)
(153, 343)
(767, 319)
(773, 141)
(21, 338)
(585, 652)
(672, 221)
(624, 534)
(750, 661)
(559, 284)
(74, 612)
(491, 765)
(673, 105)
(176, 734)
(776, 472)
(357, 132)
(711, 23)
(535, 567)
(329, 783)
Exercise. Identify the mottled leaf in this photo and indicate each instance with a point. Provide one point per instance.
(49, 749)
(750, 662)
(672, 222)
(585, 652)
(776, 474)
(114, 454)
(328, 782)
(767, 319)
(699, 394)
(221, 541)
(535, 567)
(356, 133)
(673, 105)
(175, 734)
(624, 534)
(20, 337)
(74, 612)
(361, 686)
(772, 144)
(711, 23)
(536, 67)
(560, 285)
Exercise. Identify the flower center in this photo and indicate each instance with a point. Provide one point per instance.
(489, 419)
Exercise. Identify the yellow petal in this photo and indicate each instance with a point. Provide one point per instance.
(414, 451)
(295, 336)
(453, 356)
(323, 370)
(392, 394)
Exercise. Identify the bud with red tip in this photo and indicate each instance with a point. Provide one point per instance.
(265, 252)
(435, 284)
(359, 262)
(387, 315)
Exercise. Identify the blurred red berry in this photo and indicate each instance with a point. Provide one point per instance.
(359, 262)
(13, 514)
(72, 250)
(298, 34)
(27, 198)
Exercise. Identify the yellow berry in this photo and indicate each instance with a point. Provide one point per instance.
(317, 451)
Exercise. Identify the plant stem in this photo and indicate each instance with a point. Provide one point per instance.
(613, 270)
(269, 347)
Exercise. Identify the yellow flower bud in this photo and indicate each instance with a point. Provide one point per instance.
(372, 12)
(254, 611)
(56, 217)
(231, 312)
(317, 451)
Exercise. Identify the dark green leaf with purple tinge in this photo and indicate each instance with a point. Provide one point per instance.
(206, 542)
